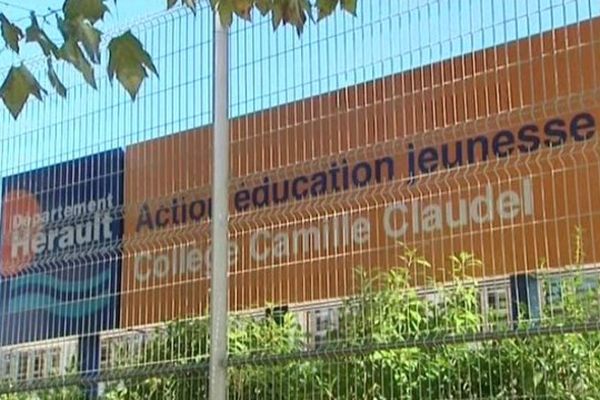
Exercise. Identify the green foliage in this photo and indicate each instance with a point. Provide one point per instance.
(191, 4)
(35, 34)
(129, 62)
(326, 7)
(55, 80)
(186, 343)
(17, 87)
(70, 393)
(71, 52)
(181, 343)
(370, 356)
(11, 33)
(89, 10)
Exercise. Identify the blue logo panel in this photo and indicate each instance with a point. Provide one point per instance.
(60, 264)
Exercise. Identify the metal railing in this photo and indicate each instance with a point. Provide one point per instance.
(413, 212)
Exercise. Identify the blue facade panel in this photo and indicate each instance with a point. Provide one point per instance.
(61, 249)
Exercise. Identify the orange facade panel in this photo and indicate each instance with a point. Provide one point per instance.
(494, 153)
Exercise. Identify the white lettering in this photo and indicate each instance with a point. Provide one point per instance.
(482, 208)
(432, 218)
(389, 222)
(281, 245)
(310, 238)
(20, 243)
(479, 214)
(527, 197)
(178, 262)
(137, 267)
(255, 249)
(462, 214)
(361, 231)
(160, 266)
(194, 260)
(508, 205)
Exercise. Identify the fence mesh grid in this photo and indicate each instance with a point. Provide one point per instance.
(414, 212)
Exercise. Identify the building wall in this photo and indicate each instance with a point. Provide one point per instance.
(493, 153)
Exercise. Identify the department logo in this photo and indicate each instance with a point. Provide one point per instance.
(19, 211)
(60, 239)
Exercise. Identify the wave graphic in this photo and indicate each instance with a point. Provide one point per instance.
(51, 282)
(49, 304)
(66, 298)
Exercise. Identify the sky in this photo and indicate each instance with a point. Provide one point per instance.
(18, 11)
(267, 69)
(126, 11)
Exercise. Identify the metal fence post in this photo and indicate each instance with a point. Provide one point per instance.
(220, 216)
(88, 348)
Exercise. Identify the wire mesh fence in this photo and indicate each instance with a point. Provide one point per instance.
(415, 212)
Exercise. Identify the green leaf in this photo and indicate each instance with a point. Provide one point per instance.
(300, 11)
(277, 13)
(62, 27)
(293, 12)
(82, 31)
(90, 38)
(71, 52)
(350, 6)
(225, 10)
(326, 7)
(264, 6)
(129, 62)
(191, 4)
(35, 34)
(243, 9)
(55, 81)
(92, 10)
(17, 87)
(11, 33)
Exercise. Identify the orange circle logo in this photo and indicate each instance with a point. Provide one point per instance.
(19, 209)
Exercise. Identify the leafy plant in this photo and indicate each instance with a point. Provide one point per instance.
(392, 342)
(79, 20)
(368, 355)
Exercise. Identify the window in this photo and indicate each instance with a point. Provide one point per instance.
(121, 350)
(571, 295)
(53, 362)
(22, 366)
(105, 356)
(495, 303)
(553, 295)
(38, 364)
(129, 347)
(324, 322)
(278, 314)
(7, 366)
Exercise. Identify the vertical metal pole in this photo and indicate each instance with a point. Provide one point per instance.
(220, 217)
(89, 363)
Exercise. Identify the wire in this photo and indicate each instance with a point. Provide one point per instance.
(43, 17)
(17, 7)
